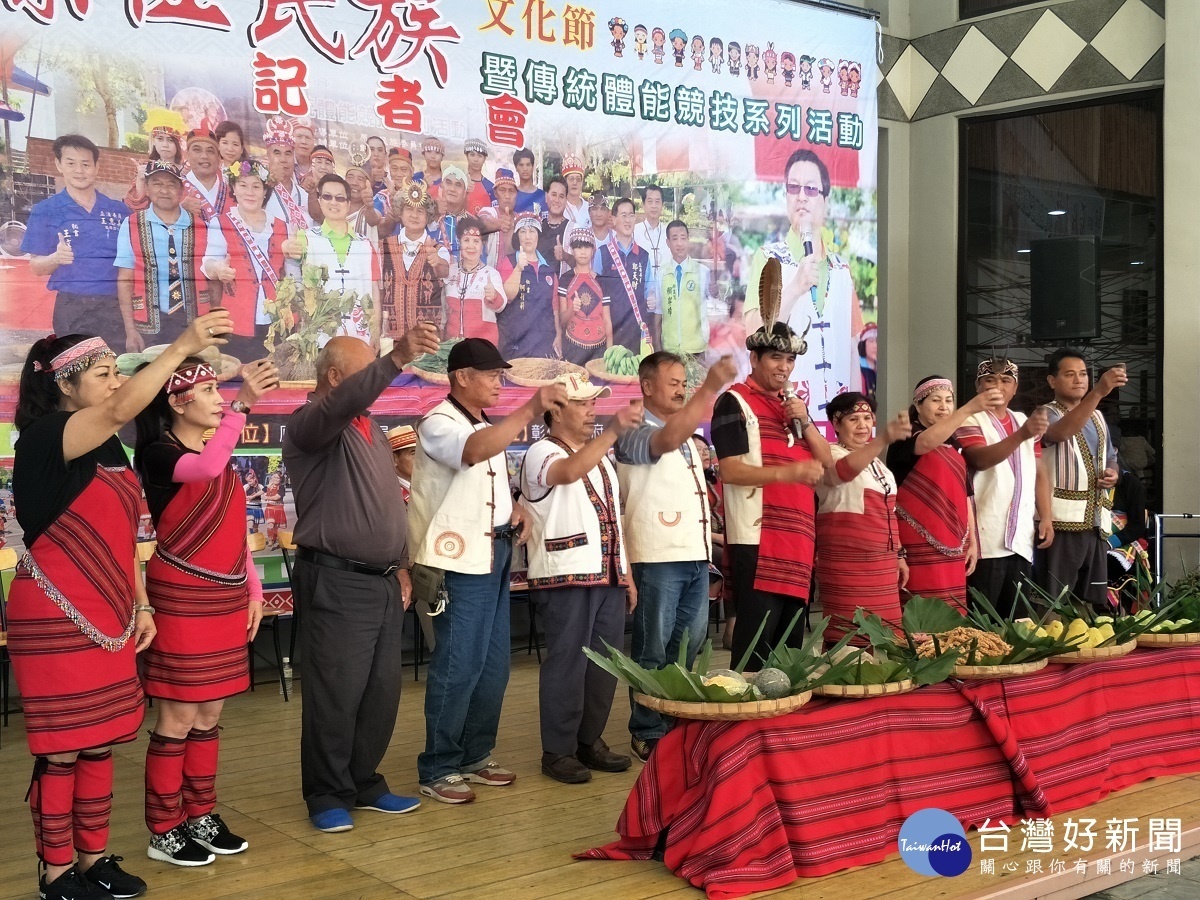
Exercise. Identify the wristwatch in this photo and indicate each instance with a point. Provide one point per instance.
(239, 407)
(804, 423)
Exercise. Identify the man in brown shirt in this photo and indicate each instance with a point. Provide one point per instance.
(351, 578)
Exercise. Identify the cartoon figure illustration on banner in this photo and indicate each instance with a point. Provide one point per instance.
(639, 41)
(735, 58)
(770, 62)
(806, 71)
(618, 29)
(716, 54)
(787, 60)
(698, 52)
(678, 45)
(752, 62)
(658, 37)
(844, 77)
(826, 67)
(855, 75)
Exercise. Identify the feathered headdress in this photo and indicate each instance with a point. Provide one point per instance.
(165, 121)
(774, 335)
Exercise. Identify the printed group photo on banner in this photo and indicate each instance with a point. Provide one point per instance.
(580, 184)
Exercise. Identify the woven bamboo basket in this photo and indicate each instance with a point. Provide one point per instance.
(1157, 639)
(596, 369)
(858, 691)
(727, 712)
(440, 378)
(532, 372)
(1005, 671)
(1092, 654)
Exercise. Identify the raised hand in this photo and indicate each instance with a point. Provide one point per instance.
(898, 429)
(258, 378)
(293, 249)
(629, 417)
(1035, 426)
(421, 338)
(985, 400)
(723, 371)
(551, 396)
(1114, 378)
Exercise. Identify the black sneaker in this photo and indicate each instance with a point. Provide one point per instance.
(71, 885)
(209, 831)
(107, 874)
(643, 747)
(177, 847)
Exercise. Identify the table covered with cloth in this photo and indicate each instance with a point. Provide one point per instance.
(752, 805)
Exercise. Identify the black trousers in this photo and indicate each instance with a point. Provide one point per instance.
(1075, 561)
(351, 674)
(999, 578)
(575, 695)
(754, 605)
(92, 314)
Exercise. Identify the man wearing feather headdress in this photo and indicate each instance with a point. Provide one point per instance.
(771, 455)
(831, 365)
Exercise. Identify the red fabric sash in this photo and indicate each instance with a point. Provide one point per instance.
(934, 497)
(242, 295)
(204, 526)
(785, 550)
(208, 210)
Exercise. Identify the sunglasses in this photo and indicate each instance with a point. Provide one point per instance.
(333, 198)
(810, 190)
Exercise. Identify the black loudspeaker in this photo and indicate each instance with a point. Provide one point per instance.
(1064, 289)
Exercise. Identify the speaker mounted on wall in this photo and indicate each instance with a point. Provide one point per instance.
(1064, 289)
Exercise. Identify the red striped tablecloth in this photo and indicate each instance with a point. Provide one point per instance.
(754, 805)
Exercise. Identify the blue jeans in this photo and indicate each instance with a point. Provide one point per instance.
(672, 596)
(468, 671)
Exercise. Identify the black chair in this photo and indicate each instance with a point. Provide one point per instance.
(8, 560)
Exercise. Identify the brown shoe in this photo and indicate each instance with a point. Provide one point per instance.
(600, 758)
(566, 769)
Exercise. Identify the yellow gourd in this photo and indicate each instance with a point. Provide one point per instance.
(1055, 629)
(1077, 633)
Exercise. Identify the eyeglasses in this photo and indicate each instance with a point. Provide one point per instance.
(810, 190)
(334, 198)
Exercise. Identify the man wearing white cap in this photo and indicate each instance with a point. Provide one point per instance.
(578, 568)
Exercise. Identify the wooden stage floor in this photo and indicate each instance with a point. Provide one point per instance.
(513, 842)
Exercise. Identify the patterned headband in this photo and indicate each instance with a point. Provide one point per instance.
(923, 390)
(76, 359)
(989, 367)
(780, 338)
(473, 228)
(321, 154)
(862, 406)
(185, 379)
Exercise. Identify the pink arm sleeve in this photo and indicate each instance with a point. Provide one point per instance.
(208, 463)
(253, 582)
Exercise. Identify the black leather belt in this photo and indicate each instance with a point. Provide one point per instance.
(504, 532)
(317, 558)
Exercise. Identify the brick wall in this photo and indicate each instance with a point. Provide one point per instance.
(117, 167)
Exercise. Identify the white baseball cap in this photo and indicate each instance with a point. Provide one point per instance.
(579, 388)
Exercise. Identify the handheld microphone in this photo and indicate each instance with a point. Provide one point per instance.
(807, 238)
(790, 394)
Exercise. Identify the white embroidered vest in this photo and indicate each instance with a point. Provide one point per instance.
(1006, 495)
(565, 540)
(449, 516)
(743, 503)
(666, 510)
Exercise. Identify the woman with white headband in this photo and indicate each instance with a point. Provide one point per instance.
(77, 611)
(934, 496)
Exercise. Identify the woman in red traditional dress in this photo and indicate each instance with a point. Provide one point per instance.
(205, 589)
(77, 611)
(273, 507)
(474, 290)
(933, 496)
(244, 255)
(860, 560)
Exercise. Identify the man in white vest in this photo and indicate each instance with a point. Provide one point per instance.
(1002, 448)
(818, 293)
(1081, 466)
(462, 523)
(577, 568)
(666, 522)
